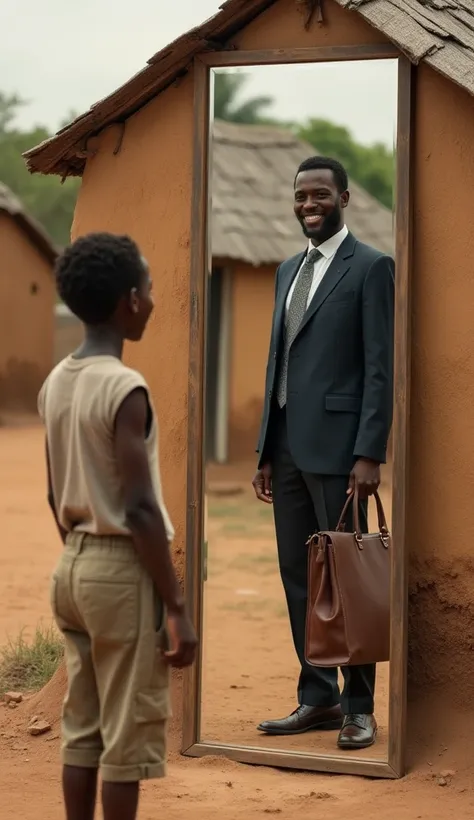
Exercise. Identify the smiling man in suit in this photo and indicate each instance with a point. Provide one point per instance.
(326, 421)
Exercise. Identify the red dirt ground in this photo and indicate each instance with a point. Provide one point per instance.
(200, 789)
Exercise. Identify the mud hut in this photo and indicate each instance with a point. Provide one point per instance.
(27, 297)
(134, 150)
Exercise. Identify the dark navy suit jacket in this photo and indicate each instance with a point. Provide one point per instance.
(340, 374)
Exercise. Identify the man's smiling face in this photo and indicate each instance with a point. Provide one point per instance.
(318, 204)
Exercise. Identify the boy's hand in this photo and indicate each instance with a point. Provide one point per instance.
(183, 641)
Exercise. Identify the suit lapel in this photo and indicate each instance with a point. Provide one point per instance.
(338, 268)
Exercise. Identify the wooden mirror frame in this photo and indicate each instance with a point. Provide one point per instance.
(200, 260)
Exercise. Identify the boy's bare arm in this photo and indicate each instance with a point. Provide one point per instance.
(51, 501)
(146, 523)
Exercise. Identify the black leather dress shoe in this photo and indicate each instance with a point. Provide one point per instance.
(358, 732)
(304, 719)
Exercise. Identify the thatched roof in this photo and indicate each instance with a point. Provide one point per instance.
(12, 206)
(253, 170)
(438, 32)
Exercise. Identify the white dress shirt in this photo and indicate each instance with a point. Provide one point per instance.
(328, 250)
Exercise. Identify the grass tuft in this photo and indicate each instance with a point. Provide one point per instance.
(26, 666)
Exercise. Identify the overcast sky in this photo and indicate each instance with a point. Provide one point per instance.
(62, 55)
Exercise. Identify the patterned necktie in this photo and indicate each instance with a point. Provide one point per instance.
(296, 311)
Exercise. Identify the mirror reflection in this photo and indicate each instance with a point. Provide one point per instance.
(299, 359)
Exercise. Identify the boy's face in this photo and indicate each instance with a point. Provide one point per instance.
(141, 306)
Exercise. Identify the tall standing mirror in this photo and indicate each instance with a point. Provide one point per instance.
(252, 695)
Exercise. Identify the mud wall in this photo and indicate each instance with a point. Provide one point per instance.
(253, 292)
(26, 319)
(282, 26)
(441, 524)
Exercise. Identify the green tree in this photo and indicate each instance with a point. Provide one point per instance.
(372, 166)
(227, 105)
(51, 202)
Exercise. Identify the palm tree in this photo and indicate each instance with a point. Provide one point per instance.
(226, 104)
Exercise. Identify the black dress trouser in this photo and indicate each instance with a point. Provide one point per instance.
(296, 497)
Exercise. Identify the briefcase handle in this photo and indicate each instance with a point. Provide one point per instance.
(354, 498)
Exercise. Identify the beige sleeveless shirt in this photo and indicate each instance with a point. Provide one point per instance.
(78, 404)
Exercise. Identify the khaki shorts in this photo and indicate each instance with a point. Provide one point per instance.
(117, 705)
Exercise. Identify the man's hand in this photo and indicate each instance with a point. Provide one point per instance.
(183, 641)
(262, 484)
(365, 478)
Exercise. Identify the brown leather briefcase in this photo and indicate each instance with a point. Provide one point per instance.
(348, 612)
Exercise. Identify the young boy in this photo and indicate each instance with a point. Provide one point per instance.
(114, 593)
